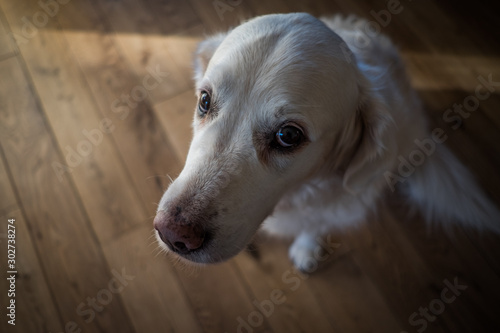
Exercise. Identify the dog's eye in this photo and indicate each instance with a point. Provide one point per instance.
(204, 102)
(289, 136)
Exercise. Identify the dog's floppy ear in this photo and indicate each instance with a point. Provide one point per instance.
(204, 53)
(376, 150)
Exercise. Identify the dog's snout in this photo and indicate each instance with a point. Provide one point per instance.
(180, 236)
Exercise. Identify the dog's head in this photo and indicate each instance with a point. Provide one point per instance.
(280, 99)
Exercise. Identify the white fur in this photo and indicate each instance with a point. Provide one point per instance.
(359, 112)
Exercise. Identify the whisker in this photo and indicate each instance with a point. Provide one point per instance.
(155, 176)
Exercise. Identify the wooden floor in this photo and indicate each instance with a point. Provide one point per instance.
(95, 107)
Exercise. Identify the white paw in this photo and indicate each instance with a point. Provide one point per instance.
(303, 255)
(307, 252)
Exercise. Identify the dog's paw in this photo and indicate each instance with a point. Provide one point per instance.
(304, 252)
(307, 252)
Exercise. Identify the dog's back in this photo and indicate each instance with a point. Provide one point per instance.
(444, 190)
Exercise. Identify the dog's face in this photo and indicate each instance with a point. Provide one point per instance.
(274, 97)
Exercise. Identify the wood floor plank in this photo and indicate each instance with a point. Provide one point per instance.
(35, 307)
(8, 201)
(152, 45)
(457, 73)
(87, 145)
(354, 303)
(220, 298)
(137, 130)
(269, 7)
(316, 8)
(446, 260)
(398, 271)
(350, 298)
(490, 108)
(436, 28)
(455, 255)
(154, 298)
(72, 258)
(281, 291)
(6, 47)
(176, 116)
(394, 25)
(172, 17)
(322, 301)
(220, 16)
(482, 18)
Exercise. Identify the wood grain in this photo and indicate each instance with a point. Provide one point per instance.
(83, 64)
(58, 224)
(33, 297)
(6, 47)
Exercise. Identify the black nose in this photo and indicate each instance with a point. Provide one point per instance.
(180, 236)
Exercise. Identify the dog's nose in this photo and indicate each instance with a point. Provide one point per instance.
(180, 236)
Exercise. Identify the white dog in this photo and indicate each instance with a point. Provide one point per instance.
(301, 126)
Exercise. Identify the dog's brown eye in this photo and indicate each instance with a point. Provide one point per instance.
(204, 103)
(289, 136)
